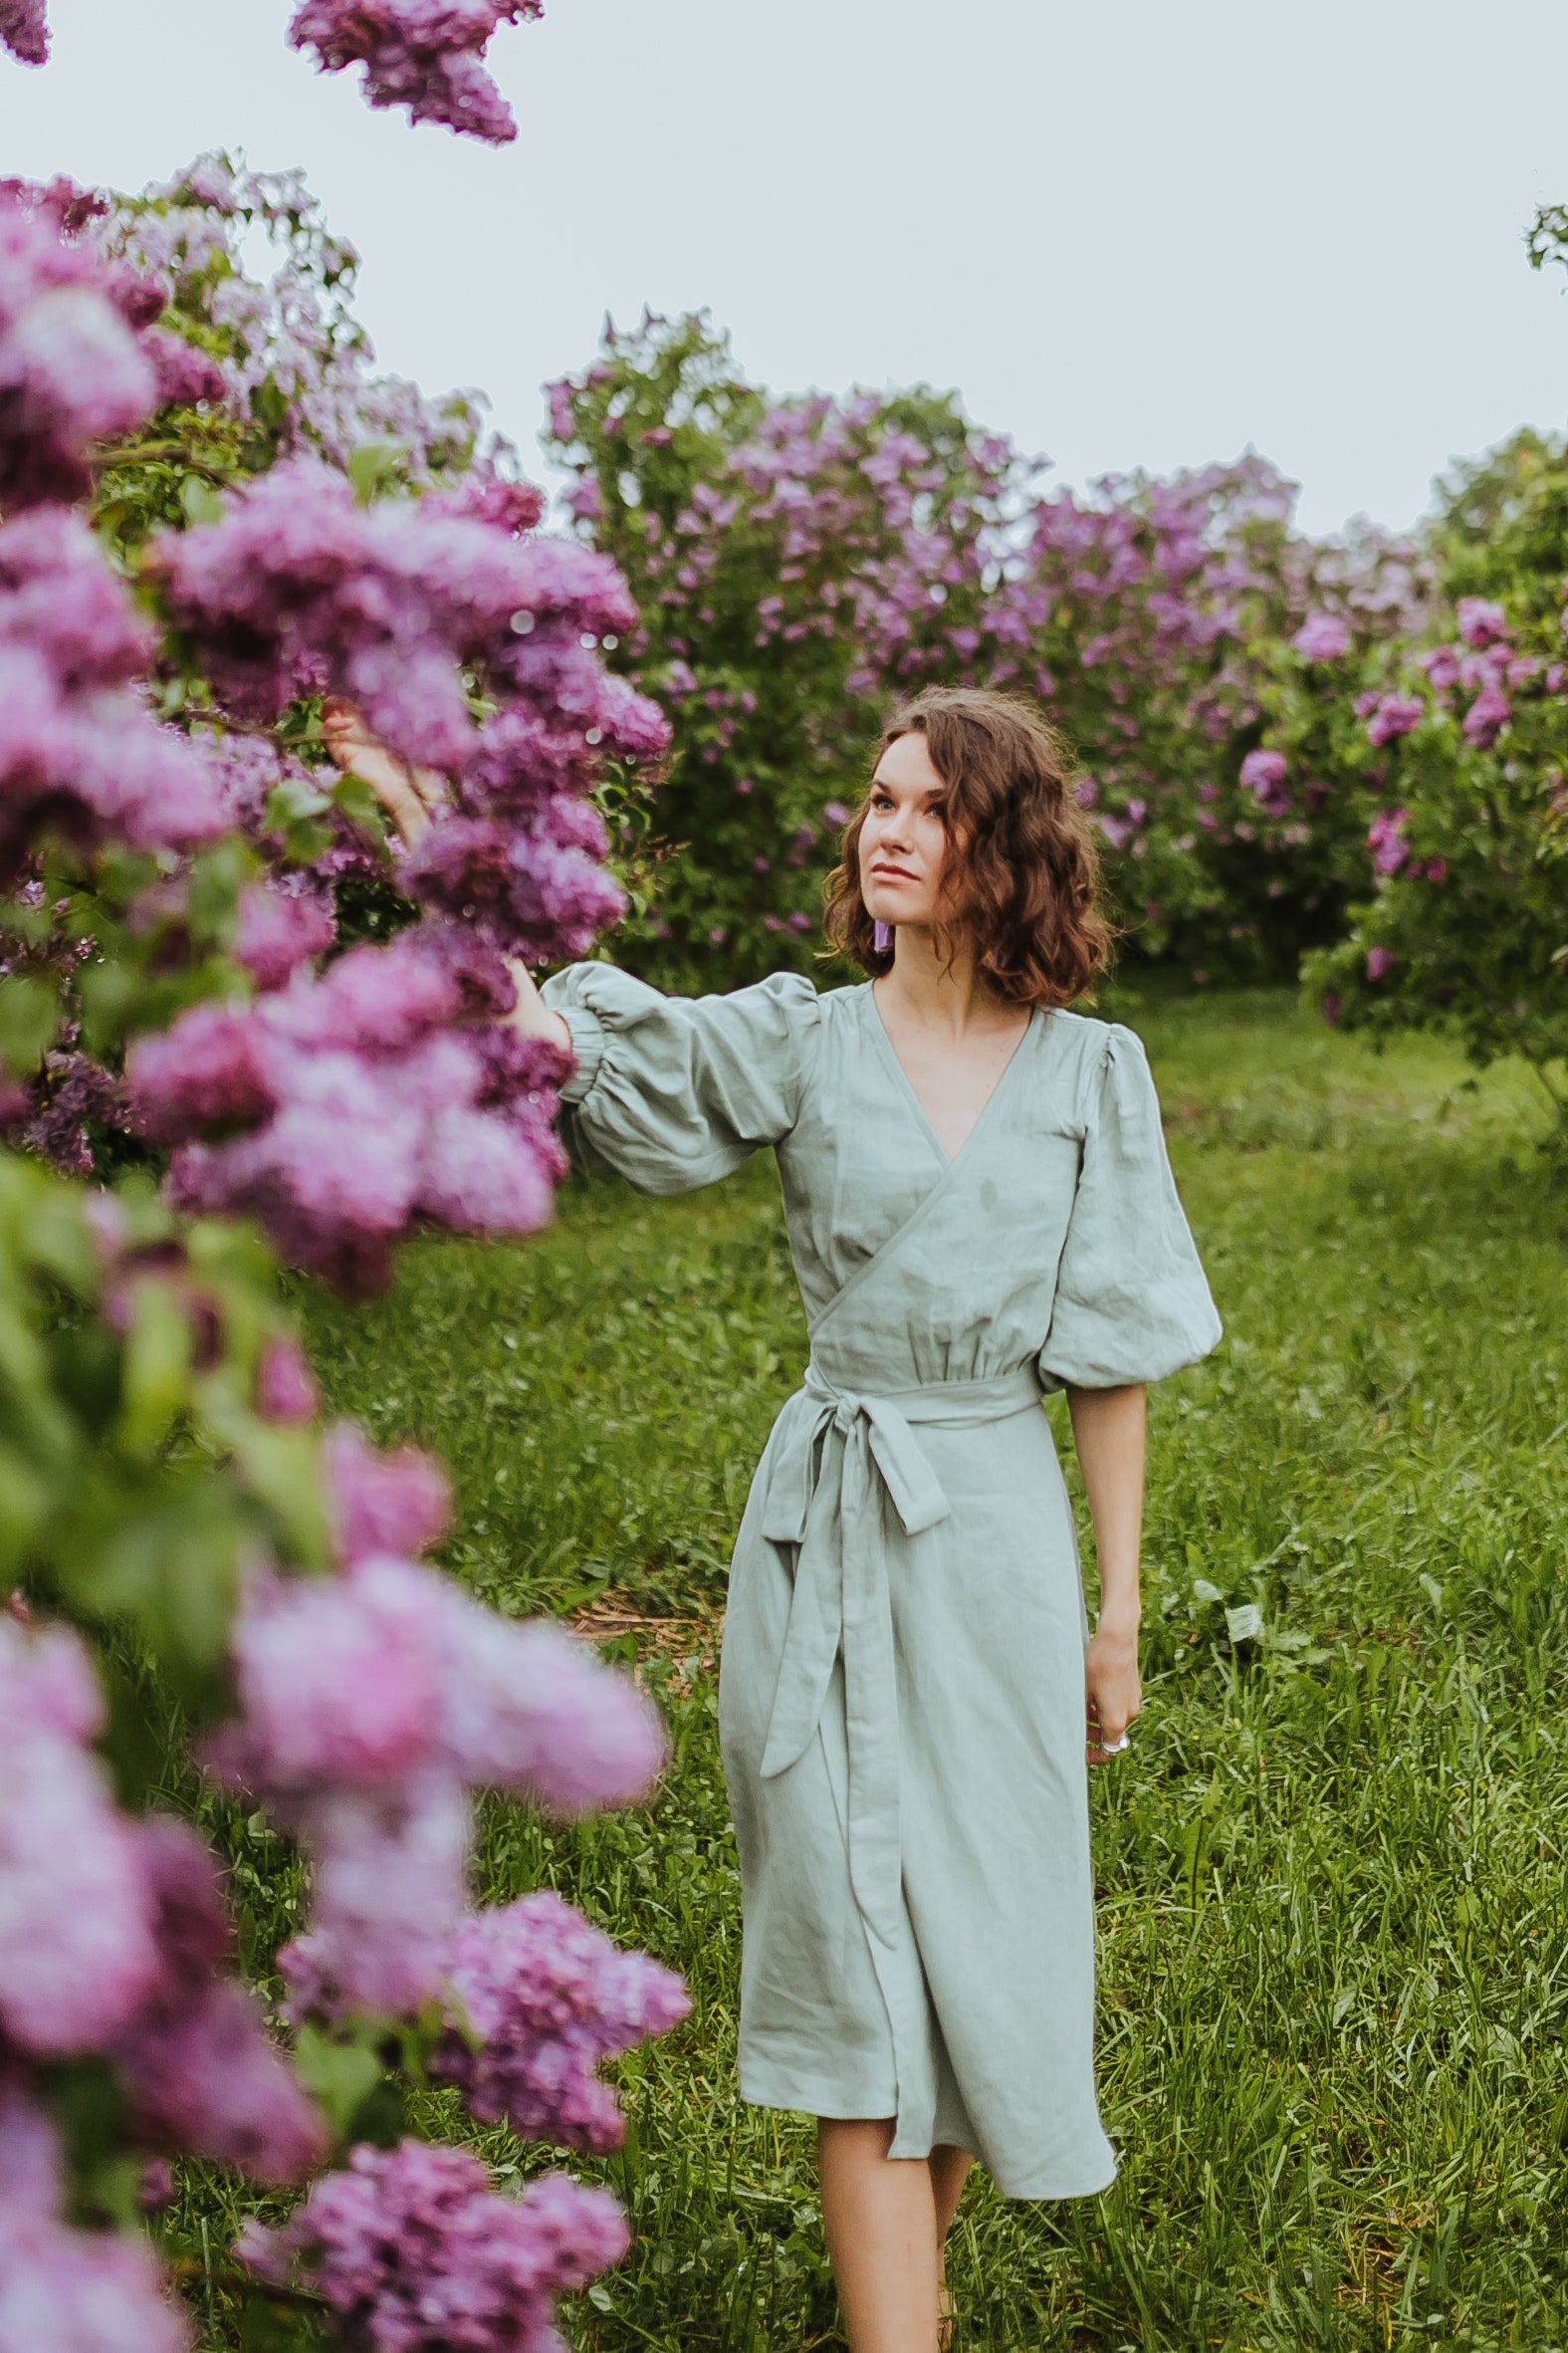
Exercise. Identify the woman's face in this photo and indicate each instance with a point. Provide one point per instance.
(904, 842)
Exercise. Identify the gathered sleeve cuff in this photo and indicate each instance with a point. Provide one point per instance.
(1132, 1302)
(674, 1091)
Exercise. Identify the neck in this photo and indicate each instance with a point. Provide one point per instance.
(930, 989)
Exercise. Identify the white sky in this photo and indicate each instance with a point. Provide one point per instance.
(1129, 233)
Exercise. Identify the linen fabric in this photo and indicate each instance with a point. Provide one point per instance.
(901, 1687)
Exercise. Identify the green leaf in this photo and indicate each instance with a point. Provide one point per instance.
(167, 1560)
(292, 800)
(200, 500)
(376, 467)
(24, 1502)
(340, 2076)
(107, 992)
(155, 1371)
(29, 1018)
(281, 1469)
(362, 809)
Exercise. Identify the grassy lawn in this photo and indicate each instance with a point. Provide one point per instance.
(1333, 1913)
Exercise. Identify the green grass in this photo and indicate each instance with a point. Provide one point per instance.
(1334, 1931)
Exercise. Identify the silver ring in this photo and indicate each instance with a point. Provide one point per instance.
(1115, 1748)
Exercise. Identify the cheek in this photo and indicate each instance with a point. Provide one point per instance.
(934, 851)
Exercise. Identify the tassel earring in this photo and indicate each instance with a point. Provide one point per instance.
(882, 938)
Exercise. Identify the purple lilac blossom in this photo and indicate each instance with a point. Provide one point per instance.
(416, 2254)
(399, 1501)
(286, 1389)
(359, 1680)
(63, 2291)
(1263, 774)
(547, 1997)
(420, 54)
(1481, 622)
(71, 370)
(71, 1090)
(79, 753)
(1387, 842)
(1323, 637)
(369, 1705)
(299, 589)
(1378, 961)
(77, 1950)
(24, 30)
(1441, 665)
(1486, 717)
(200, 2072)
(279, 929)
(1395, 715)
(368, 1111)
(388, 1872)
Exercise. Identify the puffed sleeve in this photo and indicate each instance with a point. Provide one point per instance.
(673, 1092)
(1132, 1302)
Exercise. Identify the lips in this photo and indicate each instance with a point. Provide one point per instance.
(891, 874)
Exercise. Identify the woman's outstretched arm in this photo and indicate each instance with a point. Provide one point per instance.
(408, 795)
(1108, 1429)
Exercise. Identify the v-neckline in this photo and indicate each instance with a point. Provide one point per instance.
(948, 1160)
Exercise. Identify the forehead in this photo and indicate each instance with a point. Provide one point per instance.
(905, 765)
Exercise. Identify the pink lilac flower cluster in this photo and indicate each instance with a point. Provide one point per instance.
(370, 1704)
(1263, 774)
(543, 1998)
(286, 345)
(342, 1109)
(416, 2254)
(1479, 673)
(1392, 716)
(82, 358)
(77, 1949)
(1323, 637)
(113, 1940)
(300, 589)
(63, 2291)
(425, 55)
(79, 752)
(200, 2072)
(24, 30)
(1387, 841)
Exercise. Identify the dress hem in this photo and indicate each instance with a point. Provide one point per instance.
(824, 2099)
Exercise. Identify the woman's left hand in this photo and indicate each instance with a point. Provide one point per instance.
(1113, 1693)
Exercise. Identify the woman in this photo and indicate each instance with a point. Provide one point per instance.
(980, 1208)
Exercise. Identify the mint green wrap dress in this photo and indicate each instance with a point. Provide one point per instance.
(901, 1687)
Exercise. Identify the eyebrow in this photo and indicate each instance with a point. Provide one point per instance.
(930, 791)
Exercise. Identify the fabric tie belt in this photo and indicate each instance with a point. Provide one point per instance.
(839, 1454)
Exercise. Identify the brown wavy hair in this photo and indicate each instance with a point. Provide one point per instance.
(1025, 881)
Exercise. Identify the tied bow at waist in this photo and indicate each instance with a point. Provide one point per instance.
(838, 1453)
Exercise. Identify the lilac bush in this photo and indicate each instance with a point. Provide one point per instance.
(180, 975)
(1462, 923)
(800, 562)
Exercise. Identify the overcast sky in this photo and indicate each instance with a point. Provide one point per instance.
(1129, 233)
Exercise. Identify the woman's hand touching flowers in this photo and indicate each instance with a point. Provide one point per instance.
(409, 795)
